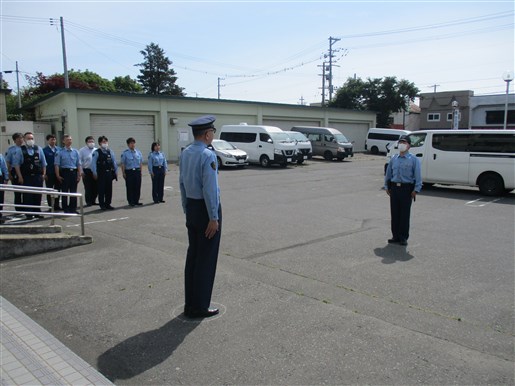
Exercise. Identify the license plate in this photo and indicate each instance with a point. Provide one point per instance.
(305, 157)
(289, 159)
(240, 161)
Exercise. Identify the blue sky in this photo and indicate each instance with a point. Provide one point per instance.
(267, 50)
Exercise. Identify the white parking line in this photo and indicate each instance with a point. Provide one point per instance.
(99, 221)
(478, 203)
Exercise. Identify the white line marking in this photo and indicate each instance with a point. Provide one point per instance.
(96, 222)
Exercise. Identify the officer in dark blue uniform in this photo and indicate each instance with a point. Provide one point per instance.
(104, 169)
(51, 181)
(200, 194)
(402, 182)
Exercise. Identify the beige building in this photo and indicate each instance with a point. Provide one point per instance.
(165, 119)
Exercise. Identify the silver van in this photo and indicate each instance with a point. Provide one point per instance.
(327, 142)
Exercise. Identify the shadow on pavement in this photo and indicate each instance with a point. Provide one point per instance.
(142, 352)
(393, 253)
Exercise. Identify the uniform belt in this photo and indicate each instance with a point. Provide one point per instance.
(135, 169)
(399, 184)
(70, 169)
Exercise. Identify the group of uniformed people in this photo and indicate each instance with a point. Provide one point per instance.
(61, 168)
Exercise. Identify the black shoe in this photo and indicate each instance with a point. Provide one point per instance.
(403, 242)
(133, 205)
(103, 207)
(156, 202)
(393, 241)
(139, 203)
(162, 201)
(206, 313)
(109, 207)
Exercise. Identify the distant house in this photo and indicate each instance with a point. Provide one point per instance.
(150, 118)
(407, 120)
(474, 112)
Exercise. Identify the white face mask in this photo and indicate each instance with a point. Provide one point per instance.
(104, 146)
(91, 145)
(30, 142)
(403, 147)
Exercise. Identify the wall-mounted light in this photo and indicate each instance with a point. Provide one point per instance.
(173, 121)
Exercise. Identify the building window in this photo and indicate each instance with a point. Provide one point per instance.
(497, 117)
(449, 116)
(433, 117)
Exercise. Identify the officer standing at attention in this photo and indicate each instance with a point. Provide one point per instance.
(104, 169)
(4, 179)
(30, 165)
(157, 167)
(9, 157)
(131, 170)
(200, 195)
(402, 183)
(51, 181)
(90, 185)
(68, 171)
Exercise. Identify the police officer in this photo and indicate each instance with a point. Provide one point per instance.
(68, 171)
(90, 185)
(104, 169)
(402, 182)
(30, 165)
(51, 180)
(9, 157)
(200, 195)
(4, 179)
(131, 169)
(157, 167)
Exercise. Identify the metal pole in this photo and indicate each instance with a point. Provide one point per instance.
(18, 90)
(506, 105)
(66, 81)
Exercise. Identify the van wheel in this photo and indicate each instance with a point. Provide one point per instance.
(264, 161)
(328, 156)
(491, 184)
(219, 161)
(374, 150)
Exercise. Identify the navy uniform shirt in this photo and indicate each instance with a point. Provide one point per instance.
(68, 158)
(156, 159)
(50, 154)
(94, 159)
(131, 159)
(404, 169)
(198, 178)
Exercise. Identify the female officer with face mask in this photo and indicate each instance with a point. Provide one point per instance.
(402, 183)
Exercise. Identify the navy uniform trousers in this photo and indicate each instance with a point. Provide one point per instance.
(133, 185)
(35, 180)
(69, 185)
(202, 256)
(17, 195)
(400, 208)
(105, 187)
(158, 183)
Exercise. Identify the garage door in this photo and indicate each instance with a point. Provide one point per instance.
(117, 128)
(356, 132)
(288, 124)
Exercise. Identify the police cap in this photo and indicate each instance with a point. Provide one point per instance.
(405, 138)
(202, 123)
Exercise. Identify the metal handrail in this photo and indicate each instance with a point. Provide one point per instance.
(44, 191)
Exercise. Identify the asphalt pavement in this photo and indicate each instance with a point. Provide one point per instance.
(309, 290)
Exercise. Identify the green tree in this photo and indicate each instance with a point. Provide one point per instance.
(382, 95)
(126, 84)
(157, 78)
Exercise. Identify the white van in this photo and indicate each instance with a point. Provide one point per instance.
(483, 158)
(378, 139)
(265, 145)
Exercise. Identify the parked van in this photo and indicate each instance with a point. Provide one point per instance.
(327, 142)
(483, 158)
(304, 148)
(264, 144)
(378, 139)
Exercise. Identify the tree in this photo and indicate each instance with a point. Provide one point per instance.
(156, 76)
(382, 95)
(126, 84)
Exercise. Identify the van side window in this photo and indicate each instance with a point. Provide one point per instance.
(238, 137)
(263, 137)
(314, 137)
(383, 136)
(495, 143)
(328, 137)
(451, 142)
(417, 140)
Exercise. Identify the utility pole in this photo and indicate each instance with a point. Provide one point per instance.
(65, 65)
(219, 85)
(323, 83)
(434, 87)
(331, 42)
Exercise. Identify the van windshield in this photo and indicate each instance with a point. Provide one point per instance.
(280, 137)
(340, 138)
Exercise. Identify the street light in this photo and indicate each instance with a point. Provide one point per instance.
(507, 77)
(17, 85)
(455, 115)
